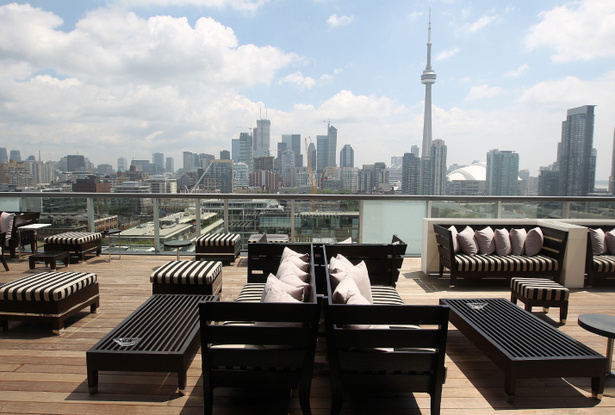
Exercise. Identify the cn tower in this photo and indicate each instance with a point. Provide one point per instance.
(428, 78)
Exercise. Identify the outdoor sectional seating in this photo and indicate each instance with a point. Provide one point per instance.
(224, 247)
(600, 257)
(15, 238)
(546, 262)
(385, 345)
(251, 343)
(77, 243)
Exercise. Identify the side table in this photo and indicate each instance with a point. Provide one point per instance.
(179, 243)
(603, 325)
(117, 232)
(34, 227)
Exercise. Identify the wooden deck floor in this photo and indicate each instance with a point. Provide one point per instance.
(43, 373)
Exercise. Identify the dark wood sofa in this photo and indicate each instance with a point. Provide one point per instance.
(386, 345)
(251, 344)
(25, 237)
(598, 268)
(547, 264)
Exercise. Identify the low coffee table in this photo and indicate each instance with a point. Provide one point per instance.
(604, 325)
(50, 258)
(162, 335)
(522, 345)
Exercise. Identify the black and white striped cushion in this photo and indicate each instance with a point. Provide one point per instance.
(218, 239)
(539, 289)
(604, 263)
(507, 263)
(251, 292)
(73, 238)
(385, 295)
(46, 286)
(187, 272)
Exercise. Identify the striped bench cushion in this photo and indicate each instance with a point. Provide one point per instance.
(73, 238)
(604, 263)
(218, 239)
(385, 295)
(187, 272)
(539, 289)
(508, 263)
(251, 292)
(46, 286)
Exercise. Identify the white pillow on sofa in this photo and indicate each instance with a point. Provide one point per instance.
(517, 241)
(502, 242)
(6, 224)
(347, 292)
(300, 263)
(467, 241)
(610, 241)
(358, 273)
(484, 240)
(288, 267)
(533, 242)
(274, 288)
(598, 240)
(454, 239)
(287, 252)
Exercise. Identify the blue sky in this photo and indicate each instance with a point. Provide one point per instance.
(131, 77)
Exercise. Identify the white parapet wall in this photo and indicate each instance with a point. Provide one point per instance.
(573, 273)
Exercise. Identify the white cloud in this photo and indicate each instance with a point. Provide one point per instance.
(582, 30)
(297, 79)
(446, 54)
(335, 21)
(250, 6)
(482, 92)
(514, 73)
(481, 23)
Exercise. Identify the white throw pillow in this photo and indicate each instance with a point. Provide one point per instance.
(359, 274)
(347, 292)
(467, 241)
(277, 295)
(287, 252)
(277, 286)
(454, 239)
(533, 242)
(502, 242)
(598, 239)
(484, 240)
(6, 224)
(290, 268)
(300, 263)
(610, 241)
(517, 241)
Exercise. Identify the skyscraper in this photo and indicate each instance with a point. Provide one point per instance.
(410, 174)
(261, 138)
(326, 147)
(293, 142)
(245, 150)
(169, 165)
(4, 157)
(427, 165)
(438, 165)
(122, 164)
(15, 155)
(347, 156)
(158, 161)
(502, 173)
(574, 158)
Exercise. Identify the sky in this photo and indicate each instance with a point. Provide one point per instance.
(128, 78)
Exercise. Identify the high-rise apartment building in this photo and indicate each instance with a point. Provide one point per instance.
(293, 142)
(158, 161)
(169, 165)
(347, 156)
(245, 150)
(225, 155)
(502, 173)
(438, 165)
(15, 155)
(219, 177)
(122, 164)
(312, 155)
(349, 177)
(189, 165)
(574, 159)
(261, 138)
(410, 174)
(235, 150)
(75, 162)
(4, 157)
(326, 149)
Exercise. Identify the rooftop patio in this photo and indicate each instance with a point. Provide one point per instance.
(43, 373)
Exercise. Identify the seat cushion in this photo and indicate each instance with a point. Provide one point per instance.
(73, 238)
(508, 263)
(604, 263)
(187, 272)
(386, 295)
(46, 286)
(252, 292)
(539, 289)
(218, 239)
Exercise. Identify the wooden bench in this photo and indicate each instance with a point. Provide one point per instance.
(224, 247)
(48, 296)
(187, 277)
(77, 243)
(548, 263)
(162, 335)
(522, 345)
(387, 345)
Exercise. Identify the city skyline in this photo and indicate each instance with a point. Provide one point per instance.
(116, 79)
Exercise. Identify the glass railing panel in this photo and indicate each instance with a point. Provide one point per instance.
(592, 210)
(326, 221)
(132, 216)
(384, 218)
(463, 209)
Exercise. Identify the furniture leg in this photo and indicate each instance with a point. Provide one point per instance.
(510, 384)
(436, 400)
(609, 355)
(5, 325)
(6, 267)
(598, 387)
(93, 381)
(563, 313)
(181, 380)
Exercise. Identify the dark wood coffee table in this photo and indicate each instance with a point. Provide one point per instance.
(603, 325)
(162, 335)
(523, 345)
(51, 258)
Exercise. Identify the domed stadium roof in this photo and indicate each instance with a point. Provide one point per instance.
(476, 171)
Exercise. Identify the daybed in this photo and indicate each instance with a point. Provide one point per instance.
(224, 247)
(10, 222)
(381, 344)
(77, 243)
(600, 257)
(480, 251)
(48, 296)
(251, 343)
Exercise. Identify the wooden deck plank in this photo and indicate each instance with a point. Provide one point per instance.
(40, 372)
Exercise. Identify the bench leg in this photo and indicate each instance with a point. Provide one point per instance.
(436, 400)
(510, 384)
(598, 387)
(563, 313)
(5, 325)
(93, 380)
(182, 379)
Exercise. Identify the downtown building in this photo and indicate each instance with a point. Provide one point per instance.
(502, 173)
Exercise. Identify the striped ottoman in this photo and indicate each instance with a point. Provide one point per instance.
(48, 296)
(188, 277)
(223, 247)
(77, 243)
(540, 291)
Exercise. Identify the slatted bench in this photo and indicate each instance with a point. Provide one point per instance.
(78, 243)
(223, 247)
(540, 292)
(48, 296)
(162, 335)
(188, 277)
(522, 345)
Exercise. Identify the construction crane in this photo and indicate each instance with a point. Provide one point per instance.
(310, 172)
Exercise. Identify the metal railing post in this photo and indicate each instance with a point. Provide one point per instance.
(292, 220)
(156, 203)
(565, 210)
(198, 217)
(226, 215)
(90, 208)
(498, 209)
